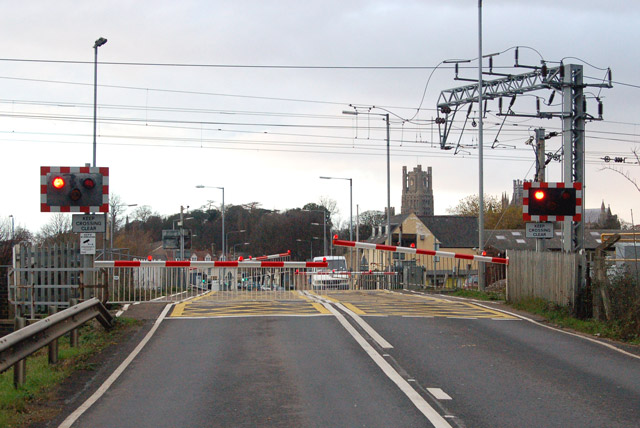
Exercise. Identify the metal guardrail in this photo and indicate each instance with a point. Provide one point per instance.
(22, 343)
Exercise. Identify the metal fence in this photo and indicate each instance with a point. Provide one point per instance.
(417, 268)
(128, 282)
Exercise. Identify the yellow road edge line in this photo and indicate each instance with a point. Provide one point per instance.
(320, 308)
(354, 309)
(481, 308)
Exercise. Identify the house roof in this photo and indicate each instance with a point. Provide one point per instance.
(517, 240)
(453, 231)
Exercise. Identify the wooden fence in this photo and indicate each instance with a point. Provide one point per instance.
(44, 276)
(552, 276)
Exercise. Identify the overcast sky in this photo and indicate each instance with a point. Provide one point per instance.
(209, 102)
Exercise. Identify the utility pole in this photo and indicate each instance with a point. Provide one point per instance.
(540, 172)
(566, 79)
(181, 232)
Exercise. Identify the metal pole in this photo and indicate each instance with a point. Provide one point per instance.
(181, 233)
(388, 191)
(324, 229)
(350, 209)
(480, 154)
(100, 42)
(224, 248)
(95, 100)
(13, 233)
(540, 171)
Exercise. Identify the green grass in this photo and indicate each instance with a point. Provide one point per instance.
(562, 317)
(42, 378)
(478, 295)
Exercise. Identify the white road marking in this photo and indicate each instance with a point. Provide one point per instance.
(614, 348)
(124, 308)
(73, 417)
(439, 394)
(362, 323)
(421, 404)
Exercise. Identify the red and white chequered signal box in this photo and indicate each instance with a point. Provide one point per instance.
(74, 189)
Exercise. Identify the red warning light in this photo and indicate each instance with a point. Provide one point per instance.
(335, 236)
(88, 183)
(539, 195)
(149, 258)
(288, 251)
(58, 182)
(484, 253)
(240, 258)
(324, 259)
(413, 245)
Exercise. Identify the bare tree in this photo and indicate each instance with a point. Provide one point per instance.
(57, 230)
(143, 213)
(626, 174)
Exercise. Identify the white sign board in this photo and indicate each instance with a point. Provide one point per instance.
(540, 230)
(87, 243)
(84, 223)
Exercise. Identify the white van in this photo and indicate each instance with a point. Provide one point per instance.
(334, 276)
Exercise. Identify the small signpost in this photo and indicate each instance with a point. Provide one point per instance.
(540, 230)
(85, 223)
(87, 243)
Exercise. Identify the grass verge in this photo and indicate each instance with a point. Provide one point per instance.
(479, 295)
(562, 317)
(17, 405)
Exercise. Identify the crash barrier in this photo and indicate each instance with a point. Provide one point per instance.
(227, 280)
(418, 268)
(17, 346)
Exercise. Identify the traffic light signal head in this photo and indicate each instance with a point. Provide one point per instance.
(552, 201)
(74, 189)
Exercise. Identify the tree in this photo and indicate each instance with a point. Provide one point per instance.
(496, 214)
(370, 220)
(143, 213)
(56, 231)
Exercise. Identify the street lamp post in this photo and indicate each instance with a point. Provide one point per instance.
(112, 226)
(310, 241)
(350, 202)
(13, 232)
(234, 231)
(234, 248)
(100, 42)
(200, 186)
(324, 227)
(386, 118)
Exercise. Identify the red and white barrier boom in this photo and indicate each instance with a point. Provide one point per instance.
(271, 256)
(408, 250)
(212, 264)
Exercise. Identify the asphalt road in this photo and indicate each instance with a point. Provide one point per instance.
(310, 371)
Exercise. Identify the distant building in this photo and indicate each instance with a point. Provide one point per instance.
(518, 191)
(417, 191)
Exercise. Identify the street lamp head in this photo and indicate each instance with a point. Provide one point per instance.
(100, 42)
(199, 186)
(351, 112)
(326, 178)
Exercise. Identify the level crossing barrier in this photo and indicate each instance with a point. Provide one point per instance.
(135, 281)
(420, 268)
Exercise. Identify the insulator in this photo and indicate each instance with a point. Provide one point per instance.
(500, 104)
(553, 94)
(538, 105)
(600, 109)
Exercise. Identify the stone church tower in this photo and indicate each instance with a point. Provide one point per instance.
(417, 192)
